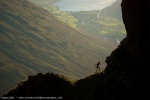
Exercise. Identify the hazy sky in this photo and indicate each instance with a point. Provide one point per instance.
(77, 5)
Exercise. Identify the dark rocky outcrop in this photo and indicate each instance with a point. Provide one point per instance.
(134, 49)
(136, 19)
(43, 85)
(130, 62)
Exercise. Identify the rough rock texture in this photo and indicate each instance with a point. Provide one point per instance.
(136, 17)
(131, 60)
(43, 85)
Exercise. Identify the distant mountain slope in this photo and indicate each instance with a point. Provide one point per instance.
(32, 40)
(83, 5)
(61, 15)
(114, 10)
(44, 1)
(106, 23)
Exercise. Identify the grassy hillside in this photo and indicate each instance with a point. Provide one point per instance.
(32, 40)
(44, 1)
(114, 10)
(64, 16)
(100, 24)
(106, 23)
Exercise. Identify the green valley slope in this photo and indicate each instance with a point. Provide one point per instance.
(32, 40)
(106, 23)
(64, 16)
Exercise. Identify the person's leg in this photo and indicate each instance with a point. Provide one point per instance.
(99, 70)
(96, 70)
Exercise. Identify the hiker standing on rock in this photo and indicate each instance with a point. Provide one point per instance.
(97, 67)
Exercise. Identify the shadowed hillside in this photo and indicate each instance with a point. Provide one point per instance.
(127, 74)
(47, 85)
(32, 40)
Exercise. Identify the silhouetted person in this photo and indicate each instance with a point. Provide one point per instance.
(97, 67)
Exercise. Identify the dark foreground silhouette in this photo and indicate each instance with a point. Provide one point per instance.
(95, 87)
(44, 85)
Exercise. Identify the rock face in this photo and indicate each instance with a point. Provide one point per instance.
(136, 19)
(131, 60)
(45, 85)
(137, 43)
